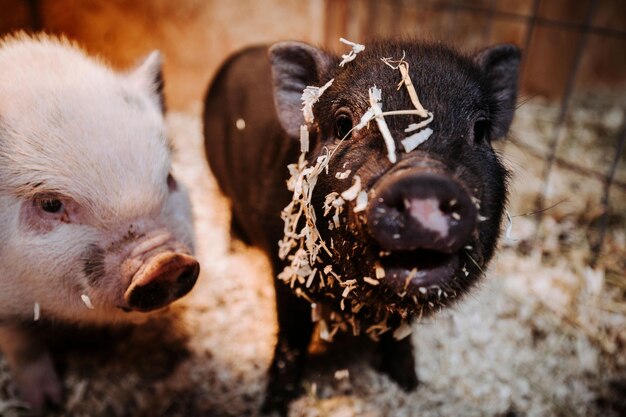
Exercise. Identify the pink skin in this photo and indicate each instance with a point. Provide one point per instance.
(134, 254)
(428, 214)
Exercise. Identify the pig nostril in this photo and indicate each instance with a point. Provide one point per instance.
(148, 297)
(449, 206)
(172, 277)
(186, 280)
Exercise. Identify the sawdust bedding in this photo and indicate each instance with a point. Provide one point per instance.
(544, 335)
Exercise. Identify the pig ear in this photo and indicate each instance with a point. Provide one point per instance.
(295, 65)
(501, 66)
(148, 75)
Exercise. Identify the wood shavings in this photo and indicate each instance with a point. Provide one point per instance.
(324, 333)
(371, 281)
(349, 57)
(356, 307)
(403, 67)
(87, 301)
(310, 96)
(348, 283)
(36, 311)
(328, 201)
(299, 217)
(375, 112)
(316, 312)
(356, 326)
(342, 374)
(376, 330)
(411, 142)
(333, 200)
(302, 183)
(343, 175)
(304, 139)
(302, 294)
(416, 126)
(311, 277)
(351, 193)
(509, 227)
(336, 202)
(361, 202)
(349, 286)
(402, 331)
(380, 271)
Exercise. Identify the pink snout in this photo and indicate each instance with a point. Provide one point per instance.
(163, 279)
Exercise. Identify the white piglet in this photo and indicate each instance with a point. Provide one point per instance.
(94, 228)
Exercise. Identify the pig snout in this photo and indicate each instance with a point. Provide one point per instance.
(416, 209)
(163, 279)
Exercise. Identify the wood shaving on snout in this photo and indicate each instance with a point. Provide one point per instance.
(356, 48)
(411, 142)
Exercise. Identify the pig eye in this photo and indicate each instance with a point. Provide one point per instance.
(172, 185)
(343, 126)
(50, 205)
(481, 130)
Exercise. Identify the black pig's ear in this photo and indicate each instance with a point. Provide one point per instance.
(501, 66)
(295, 65)
(149, 76)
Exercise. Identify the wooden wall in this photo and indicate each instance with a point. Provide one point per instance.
(196, 35)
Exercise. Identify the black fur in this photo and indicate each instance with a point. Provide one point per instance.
(468, 95)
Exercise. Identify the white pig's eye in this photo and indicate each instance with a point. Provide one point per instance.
(50, 205)
(171, 183)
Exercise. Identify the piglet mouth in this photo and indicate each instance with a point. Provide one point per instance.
(418, 271)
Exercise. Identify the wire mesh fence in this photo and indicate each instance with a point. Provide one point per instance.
(573, 55)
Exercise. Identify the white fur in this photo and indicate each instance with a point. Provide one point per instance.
(71, 125)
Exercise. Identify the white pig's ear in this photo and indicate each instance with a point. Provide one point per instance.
(295, 65)
(500, 64)
(148, 75)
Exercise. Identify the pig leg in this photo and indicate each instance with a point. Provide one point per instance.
(31, 366)
(294, 335)
(398, 361)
